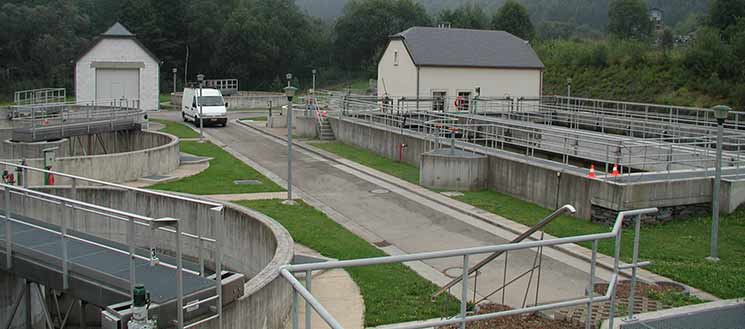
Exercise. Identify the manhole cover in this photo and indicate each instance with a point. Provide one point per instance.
(382, 244)
(247, 182)
(379, 191)
(456, 272)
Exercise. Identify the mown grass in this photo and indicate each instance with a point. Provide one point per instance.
(177, 129)
(219, 178)
(678, 249)
(392, 293)
(401, 170)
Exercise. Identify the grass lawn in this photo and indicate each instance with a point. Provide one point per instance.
(219, 177)
(177, 129)
(164, 98)
(392, 293)
(677, 249)
(401, 170)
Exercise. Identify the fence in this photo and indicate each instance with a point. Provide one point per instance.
(40, 96)
(466, 254)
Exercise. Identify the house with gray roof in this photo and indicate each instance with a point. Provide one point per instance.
(449, 63)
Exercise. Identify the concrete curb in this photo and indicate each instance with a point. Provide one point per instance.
(573, 250)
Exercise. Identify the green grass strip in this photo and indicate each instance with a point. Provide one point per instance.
(224, 169)
(401, 170)
(177, 129)
(392, 293)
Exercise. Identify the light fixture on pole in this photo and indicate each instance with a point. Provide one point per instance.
(314, 81)
(720, 113)
(569, 87)
(174, 79)
(290, 93)
(200, 78)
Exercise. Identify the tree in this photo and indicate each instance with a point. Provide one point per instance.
(667, 40)
(724, 13)
(469, 16)
(513, 18)
(629, 19)
(364, 29)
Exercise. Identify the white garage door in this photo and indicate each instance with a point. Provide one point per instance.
(117, 84)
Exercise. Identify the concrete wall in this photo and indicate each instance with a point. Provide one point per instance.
(547, 184)
(245, 100)
(255, 245)
(396, 80)
(117, 50)
(143, 153)
(459, 171)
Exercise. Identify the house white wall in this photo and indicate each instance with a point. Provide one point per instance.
(117, 51)
(493, 82)
(396, 80)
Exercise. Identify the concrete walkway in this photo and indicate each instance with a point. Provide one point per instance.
(336, 291)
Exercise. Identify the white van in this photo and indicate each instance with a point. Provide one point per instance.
(213, 106)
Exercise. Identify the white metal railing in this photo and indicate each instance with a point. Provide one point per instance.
(40, 96)
(312, 304)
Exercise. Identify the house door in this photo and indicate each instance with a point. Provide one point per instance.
(116, 84)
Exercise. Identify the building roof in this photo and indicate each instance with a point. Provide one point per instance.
(117, 31)
(430, 46)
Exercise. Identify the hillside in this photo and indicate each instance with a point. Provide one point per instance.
(589, 12)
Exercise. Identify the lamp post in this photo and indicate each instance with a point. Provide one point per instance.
(174, 70)
(200, 78)
(720, 113)
(314, 81)
(569, 87)
(290, 93)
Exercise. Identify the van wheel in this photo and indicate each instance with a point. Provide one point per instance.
(183, 115)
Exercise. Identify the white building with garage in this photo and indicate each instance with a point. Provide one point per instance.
(448, 63)
(115, 67)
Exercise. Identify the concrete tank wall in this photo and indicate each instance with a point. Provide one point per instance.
(245, 100)
(144, 153)
(547, 185)
(255, 245)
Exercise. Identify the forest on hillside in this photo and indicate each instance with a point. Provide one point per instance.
(258, 41)
(593, 13)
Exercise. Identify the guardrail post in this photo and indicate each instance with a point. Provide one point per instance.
(463, 293)
(634, 260)
(63, 236)
(131, 243)
(8, 232)
(220, 232)
(591, 287)
(308, 309)
(295, 309)
(180, 277)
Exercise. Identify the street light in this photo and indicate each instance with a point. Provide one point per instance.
(569, 87)
(314, 81)
(200, 78)
(290, 93)
(720, 113)
(174, 79)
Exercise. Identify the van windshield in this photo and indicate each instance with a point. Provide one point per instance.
(211, 101)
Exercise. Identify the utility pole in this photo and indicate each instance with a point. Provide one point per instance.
(720, 113)
(174, 79)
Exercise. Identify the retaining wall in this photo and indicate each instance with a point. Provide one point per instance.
(245, 100)
(133, 154)
(552, 185)
(255, 245)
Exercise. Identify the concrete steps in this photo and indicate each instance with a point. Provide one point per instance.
(325, 131)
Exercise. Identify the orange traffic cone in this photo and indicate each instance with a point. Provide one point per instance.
(615, 172)
(592, 172)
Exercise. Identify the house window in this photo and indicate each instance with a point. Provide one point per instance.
(395, 58)
(438, 101)
(463, 102)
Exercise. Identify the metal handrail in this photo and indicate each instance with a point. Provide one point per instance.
(311, 302)
(535, 228)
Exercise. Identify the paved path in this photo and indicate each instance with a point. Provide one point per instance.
(408, 223)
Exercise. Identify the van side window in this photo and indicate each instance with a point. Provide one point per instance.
(194, 102)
